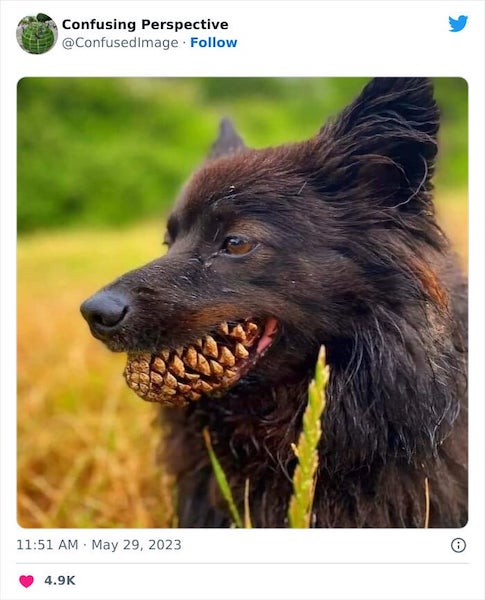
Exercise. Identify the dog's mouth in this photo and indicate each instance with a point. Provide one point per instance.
(207, 366)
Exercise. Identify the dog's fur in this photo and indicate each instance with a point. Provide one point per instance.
(348, 255)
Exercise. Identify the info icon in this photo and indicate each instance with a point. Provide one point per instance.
(458, 545)
(37, 35)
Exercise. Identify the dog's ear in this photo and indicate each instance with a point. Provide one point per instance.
(227, 142)
(383, 144)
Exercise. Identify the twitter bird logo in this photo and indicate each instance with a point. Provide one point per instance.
(457, 24)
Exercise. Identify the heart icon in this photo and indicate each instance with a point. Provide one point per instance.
(26, 580)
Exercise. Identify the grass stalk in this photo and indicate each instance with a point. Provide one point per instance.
(247, 513)
(306, 451)
(426, 503)
(222, 480)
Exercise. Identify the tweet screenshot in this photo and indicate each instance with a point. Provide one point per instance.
(242, 262)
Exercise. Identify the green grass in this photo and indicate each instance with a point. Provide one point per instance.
(94, 151)
(306, 451)
(222, 480)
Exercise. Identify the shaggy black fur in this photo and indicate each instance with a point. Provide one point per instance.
(347, 254)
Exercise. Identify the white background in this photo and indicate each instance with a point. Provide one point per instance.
(274, 39)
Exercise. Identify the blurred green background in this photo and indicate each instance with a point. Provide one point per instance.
(99, 162)
(110, 151)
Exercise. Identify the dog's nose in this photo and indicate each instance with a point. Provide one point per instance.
(104, 311)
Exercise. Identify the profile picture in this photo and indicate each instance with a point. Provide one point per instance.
(242, 302)
(37, 34)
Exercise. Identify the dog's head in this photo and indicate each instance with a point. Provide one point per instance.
(273, 252)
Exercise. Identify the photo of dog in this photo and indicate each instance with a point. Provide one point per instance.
(273, 253)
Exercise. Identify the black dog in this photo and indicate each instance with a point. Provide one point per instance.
(274, 252)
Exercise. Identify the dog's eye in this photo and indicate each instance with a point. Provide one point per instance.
(237, 245)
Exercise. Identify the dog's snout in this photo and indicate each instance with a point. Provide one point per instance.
(105, 311)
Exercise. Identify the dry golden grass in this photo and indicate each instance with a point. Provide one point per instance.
(86, 443)
(453, 216)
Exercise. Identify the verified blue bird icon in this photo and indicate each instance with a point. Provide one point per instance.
(457, 24)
